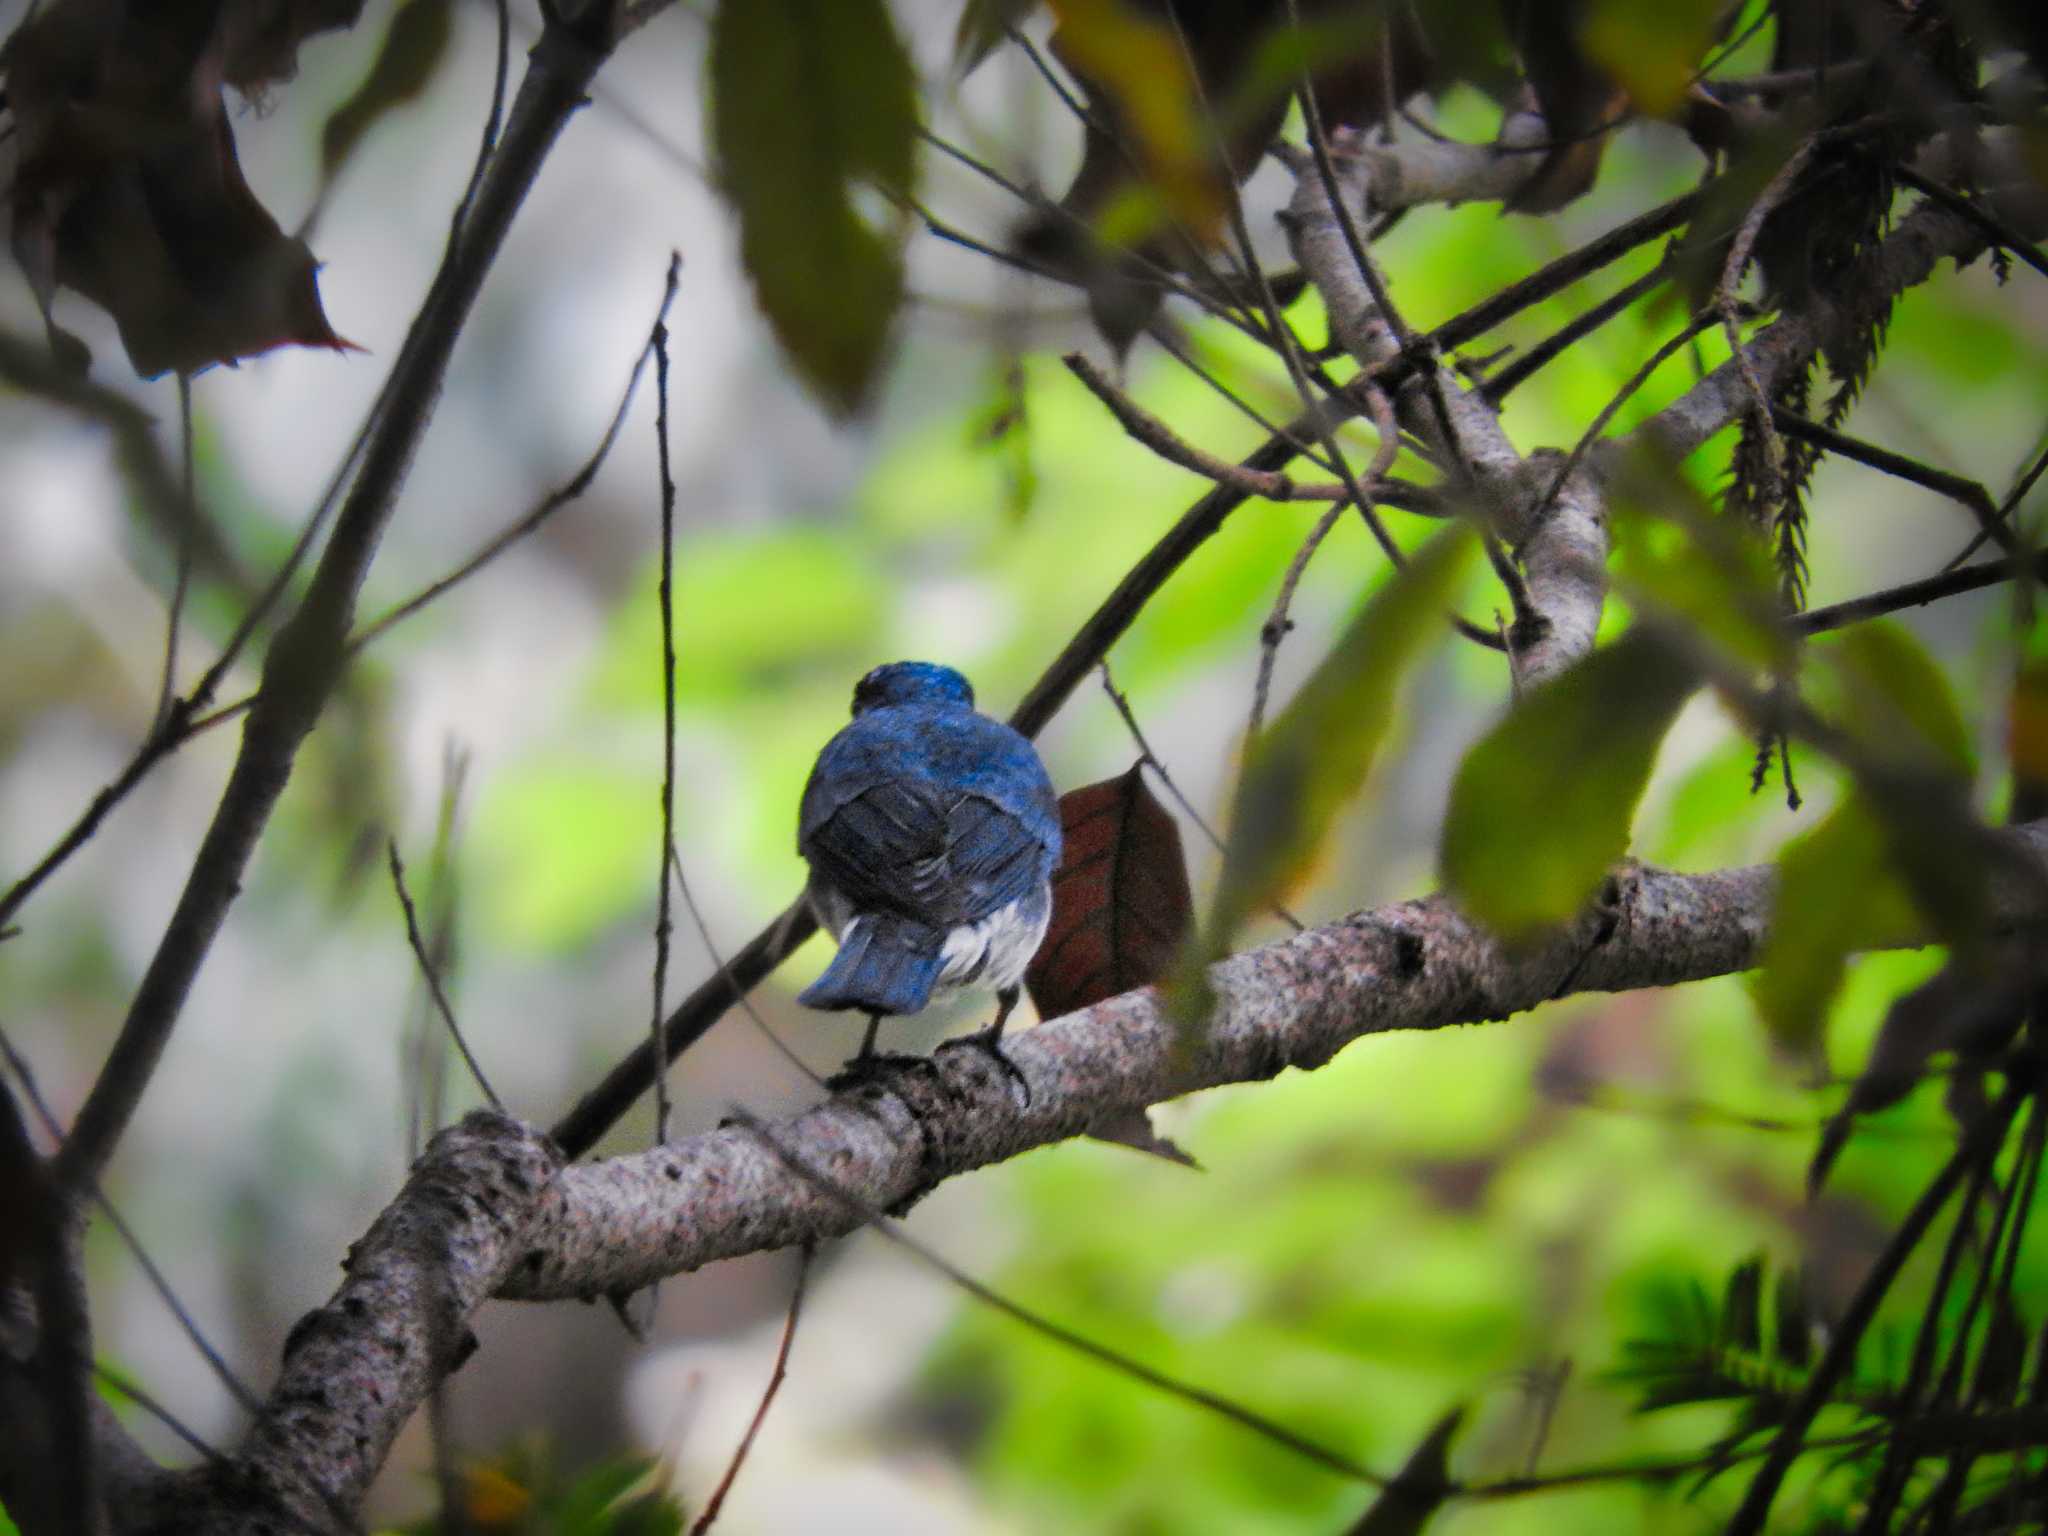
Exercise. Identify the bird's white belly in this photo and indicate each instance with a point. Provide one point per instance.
(994, 951)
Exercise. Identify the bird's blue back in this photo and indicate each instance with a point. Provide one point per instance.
(924, 808)
(947, 748)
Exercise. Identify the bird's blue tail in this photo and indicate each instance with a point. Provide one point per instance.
(885, 964)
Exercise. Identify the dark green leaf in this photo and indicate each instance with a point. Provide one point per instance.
(1541, 807)
(983, 24)
(812, 101)
(1741, 1312)
(1793, 1324)
(414, 44)
(1897, 702)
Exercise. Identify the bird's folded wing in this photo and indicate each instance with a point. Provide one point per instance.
(943, 857)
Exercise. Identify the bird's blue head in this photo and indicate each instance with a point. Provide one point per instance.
(911, 682)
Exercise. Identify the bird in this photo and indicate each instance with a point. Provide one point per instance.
(932, 833)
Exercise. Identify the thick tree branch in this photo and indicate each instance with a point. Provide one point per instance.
(492, 1209)
(626, 1221)
(1559, 530)
(357, 1368)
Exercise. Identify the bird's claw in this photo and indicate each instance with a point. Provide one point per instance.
(872, 1067)
(990, 1040)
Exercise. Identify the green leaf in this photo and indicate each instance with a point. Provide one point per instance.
(1837, 893)
(1300, 773)
(1676, 559)
(812, 101)
(1541, 807)
(1897, 701)
(1915, 773)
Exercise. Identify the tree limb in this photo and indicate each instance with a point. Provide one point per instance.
(491, 1208)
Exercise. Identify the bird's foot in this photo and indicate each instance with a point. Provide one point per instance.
(873, 1066)
(990, 1040)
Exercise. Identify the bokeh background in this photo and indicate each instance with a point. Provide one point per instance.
(1481, 1216)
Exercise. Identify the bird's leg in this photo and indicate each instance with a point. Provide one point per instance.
(991, 1040)
(869, 1064)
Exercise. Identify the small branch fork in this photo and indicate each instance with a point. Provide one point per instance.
(1554, 520)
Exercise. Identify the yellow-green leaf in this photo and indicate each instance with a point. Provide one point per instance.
(1897, 702)
(1677, 559)
(1541, 807)
(1652, 47)
(1317, 754)
(1838, 892)
(1142, 63)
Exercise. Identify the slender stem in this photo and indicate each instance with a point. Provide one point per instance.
(181, 581)
(1912, 594)
(776, 1374)
(432, 977)
(664, 924)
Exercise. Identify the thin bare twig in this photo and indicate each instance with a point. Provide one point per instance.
(1621, 397)
(1497, 386)
(1152, 760)
(150, 1404)
(426, 1073)
(1277, 624)
(1957, 488)
(1914, 594)
(739, 997)
(561, 496)
(665, 601)
(1274, 485)
(181, 580)
(716, 1502)
(2006, 508)
(431, 976)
